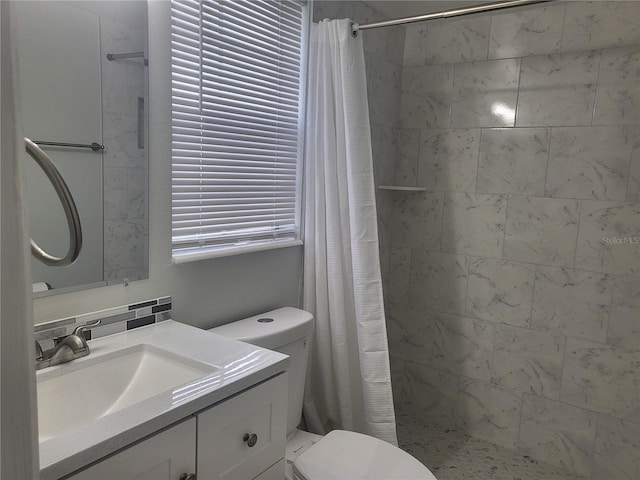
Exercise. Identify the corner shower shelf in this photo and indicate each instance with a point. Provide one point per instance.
(400, 188)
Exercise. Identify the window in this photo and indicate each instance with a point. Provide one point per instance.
(237, 100)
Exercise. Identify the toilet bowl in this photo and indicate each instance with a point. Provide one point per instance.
(339, 454)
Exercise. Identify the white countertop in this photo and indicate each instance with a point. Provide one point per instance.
(240, 366)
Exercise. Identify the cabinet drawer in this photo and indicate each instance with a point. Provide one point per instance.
(226, 448)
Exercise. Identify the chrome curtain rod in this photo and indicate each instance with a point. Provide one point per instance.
(94, 146)
(486, 7)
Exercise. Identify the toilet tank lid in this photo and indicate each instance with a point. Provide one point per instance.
(270, 329)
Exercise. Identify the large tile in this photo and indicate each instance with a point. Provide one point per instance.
(489, 412)
(616, 450)
(530, 32)
(415, 45)
(396, 368)
(115, 193)
(602, 378)
(438, 281)
(557, 89)
(397, 289)
(473, 224)
(513, 161)
(541, 230)
(124, 243)
(383, 89)
(383, 147)
(386, 43)
(609, 238)
(633, 188)
(485, 94)
(416, 220)
(408, 332)
(590, 25)
(137, 206)
(528, 361)
(572, 302)
(449, 159)
(557, 433)
(500, 291)
(460, 345)
(452, 41)
(408, 149)
(430, 394)
(624, 316)
(425, 100)
(589, 162)
(618, 93)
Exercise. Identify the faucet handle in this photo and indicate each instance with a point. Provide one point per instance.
(79, 332)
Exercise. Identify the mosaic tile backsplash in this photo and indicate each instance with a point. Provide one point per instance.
(106, 322)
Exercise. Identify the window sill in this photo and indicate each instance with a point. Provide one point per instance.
(217, 252)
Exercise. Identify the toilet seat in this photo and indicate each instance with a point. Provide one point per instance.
(354, 456)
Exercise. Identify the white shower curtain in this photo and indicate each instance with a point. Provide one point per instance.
(349, 384)
(17, 377)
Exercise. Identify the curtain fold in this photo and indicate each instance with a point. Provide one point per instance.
(349, 382)
(17, 353)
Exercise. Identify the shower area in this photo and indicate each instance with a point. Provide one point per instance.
(506, 148)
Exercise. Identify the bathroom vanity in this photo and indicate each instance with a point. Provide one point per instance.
(164, 401)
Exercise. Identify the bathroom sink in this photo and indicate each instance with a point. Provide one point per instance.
(85, 390)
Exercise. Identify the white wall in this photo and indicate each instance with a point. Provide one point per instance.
(204, 293)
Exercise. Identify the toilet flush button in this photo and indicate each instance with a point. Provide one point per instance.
(265, 320)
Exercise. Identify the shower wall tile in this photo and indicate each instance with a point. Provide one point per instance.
(458, 41)
(416, 220)
(557, 89)
(408, 332)
(602, 379)
(618, 94)
(115, 193)
(383, 146)
(449, 159)
(430, 394)
(572, 302)
(513, 161)
(388, 44)
(633, 189)
(383, 88)
(396, 368)
(459, 345)
(589, 162)
(500, 291)
(609, 238)
(408, 151)
(485, 94)
(136, 193)
(425, 100)
(438, 281)
(541, 230)
(120, 136)
(473, 223)
(124, 243)
(489, 412)
(624, 317)
(616, 450)
(399, 268)
(528, 361)
(415, 45)
(529, 32)
(557, 433)
(590, 25)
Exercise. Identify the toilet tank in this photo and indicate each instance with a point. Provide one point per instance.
(286, 330)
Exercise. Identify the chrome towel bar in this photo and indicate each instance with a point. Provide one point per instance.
(94, 146)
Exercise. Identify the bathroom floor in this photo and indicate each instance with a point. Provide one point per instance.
(451, 455)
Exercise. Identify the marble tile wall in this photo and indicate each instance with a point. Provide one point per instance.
(513, 281)
(126, 232)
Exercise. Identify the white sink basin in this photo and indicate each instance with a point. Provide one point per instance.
(90, 388)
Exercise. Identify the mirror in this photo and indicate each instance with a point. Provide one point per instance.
(83, 79)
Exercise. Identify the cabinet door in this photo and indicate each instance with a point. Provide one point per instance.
(165, 456)
(226, 448)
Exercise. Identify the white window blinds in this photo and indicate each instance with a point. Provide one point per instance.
(236, 125)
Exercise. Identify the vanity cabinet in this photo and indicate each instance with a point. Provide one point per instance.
(240, 438)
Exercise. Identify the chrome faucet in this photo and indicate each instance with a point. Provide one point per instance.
(70, 347)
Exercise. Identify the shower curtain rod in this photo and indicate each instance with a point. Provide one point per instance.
(486, 7)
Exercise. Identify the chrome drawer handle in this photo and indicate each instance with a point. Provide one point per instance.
(251, 439)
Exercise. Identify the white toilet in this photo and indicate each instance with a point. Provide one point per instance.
(339, 454)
